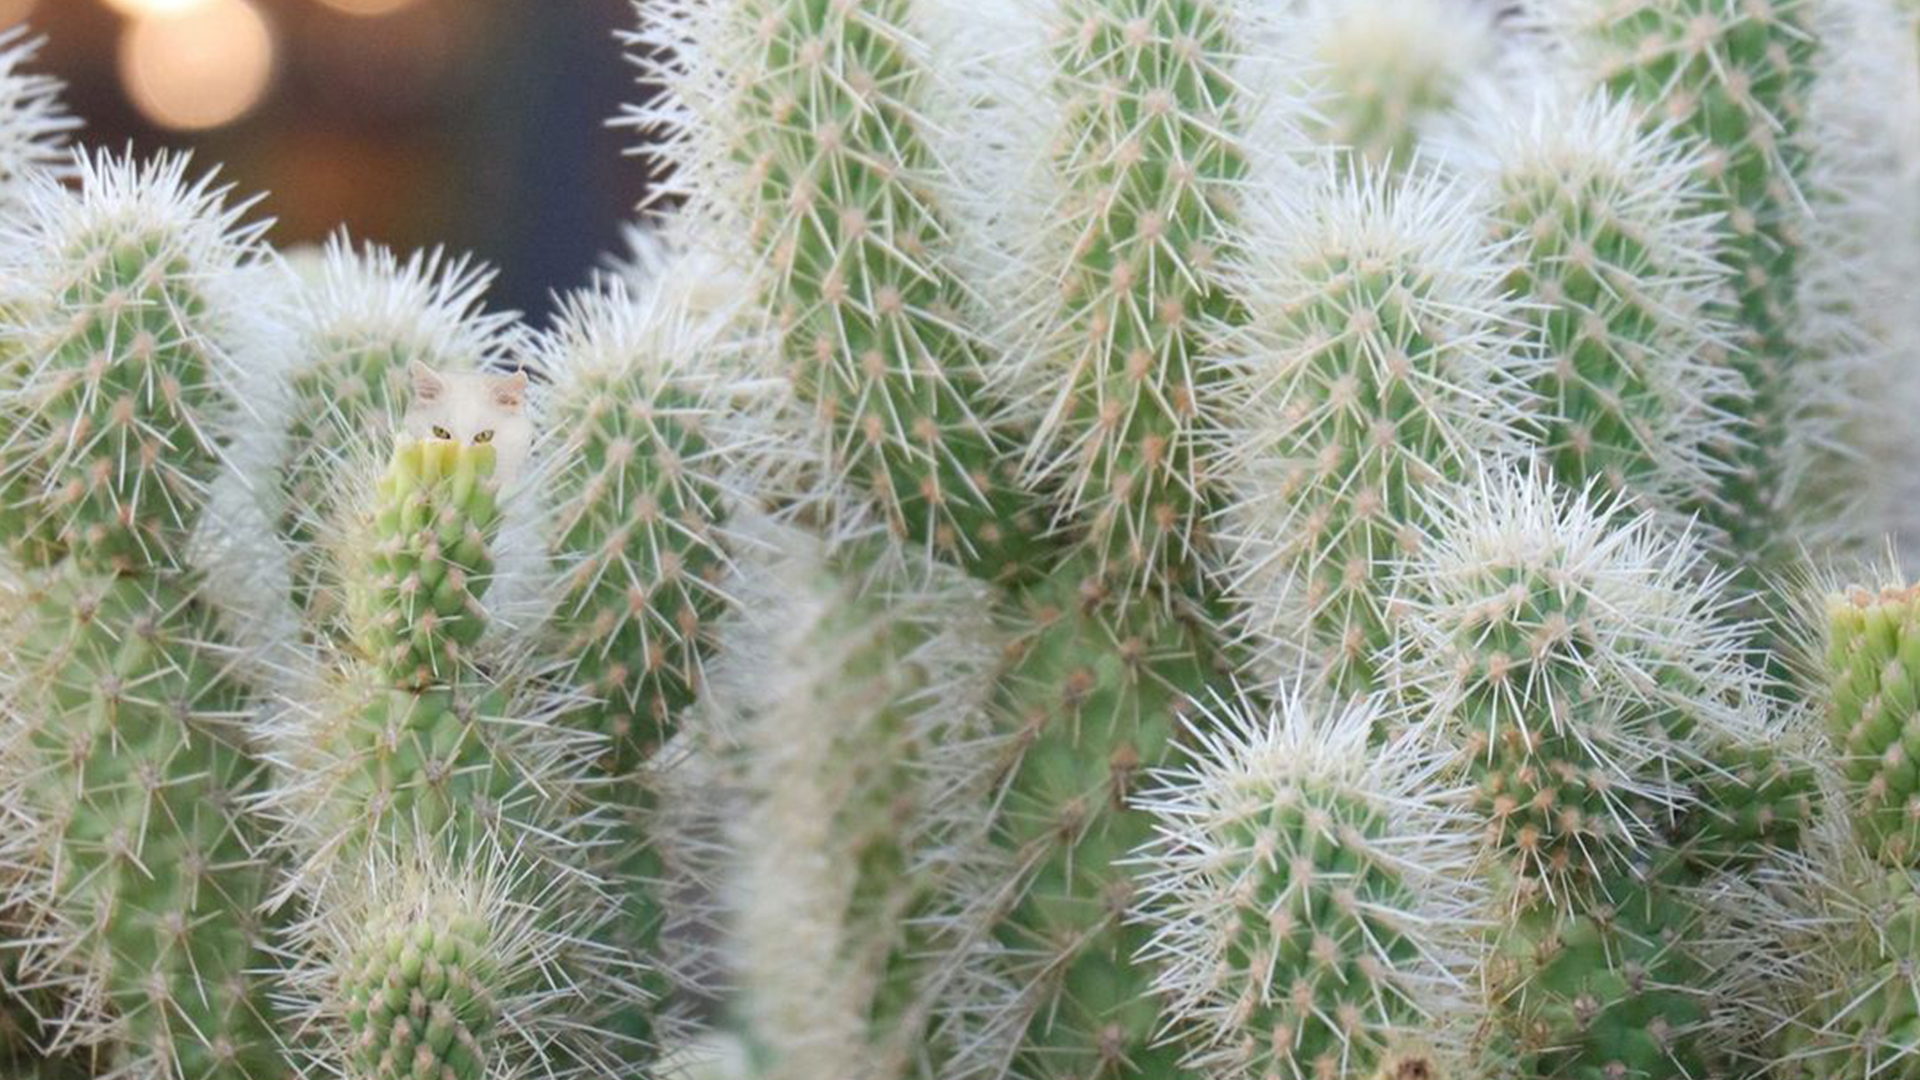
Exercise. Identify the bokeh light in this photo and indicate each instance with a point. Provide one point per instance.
(205, 65)
(368, 7)
(138, 8)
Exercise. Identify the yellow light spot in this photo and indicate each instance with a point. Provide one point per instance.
(367, 8)
(199, 67)
(141, 8)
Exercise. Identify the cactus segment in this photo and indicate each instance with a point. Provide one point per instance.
(803, 124)
(1375, 363)
(1313, 898)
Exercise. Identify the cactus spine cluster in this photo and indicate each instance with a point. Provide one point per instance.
(1084, 540)
(1313, 899)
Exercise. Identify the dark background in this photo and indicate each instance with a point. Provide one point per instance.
(475, 124)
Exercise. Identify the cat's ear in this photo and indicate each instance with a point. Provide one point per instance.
(510, 391)
(427, 383)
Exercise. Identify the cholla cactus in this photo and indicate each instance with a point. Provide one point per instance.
(1313, 898)
(124, 760)
(796, 130)
(1616, 256)
(1377, 360)
(1381, 71)
(851, 703)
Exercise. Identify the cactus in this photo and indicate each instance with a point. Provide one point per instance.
(1738, 78)
(1870, 644)
(1374, 362)
(1614, 984)
(1313, 899)
(1574, 650)
(851, 690)
(434, 804)
(799, 127)
(653, 452)
(1119, 268)
(658, 442)
(1614, 245)
(33, 123)
(126, 764)
(1094, 694)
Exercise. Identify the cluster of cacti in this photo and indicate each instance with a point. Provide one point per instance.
(1081, 540)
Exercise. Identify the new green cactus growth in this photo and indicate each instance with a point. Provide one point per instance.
(126, 762)
(1872, 655)
(1313, 899)
(360, 324)
(1374, 363)
(415, 596)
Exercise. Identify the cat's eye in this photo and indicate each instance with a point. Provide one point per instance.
(441, 433)
(483, 438)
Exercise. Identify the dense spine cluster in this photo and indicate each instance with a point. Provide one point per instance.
(1313, 899)
(850, 704)
(125, 760)
(1135, 204)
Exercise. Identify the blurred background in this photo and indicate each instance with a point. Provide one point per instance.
(475, 124)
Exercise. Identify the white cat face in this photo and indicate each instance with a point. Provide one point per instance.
(476, 409)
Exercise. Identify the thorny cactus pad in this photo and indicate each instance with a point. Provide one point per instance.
(1312, 898)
